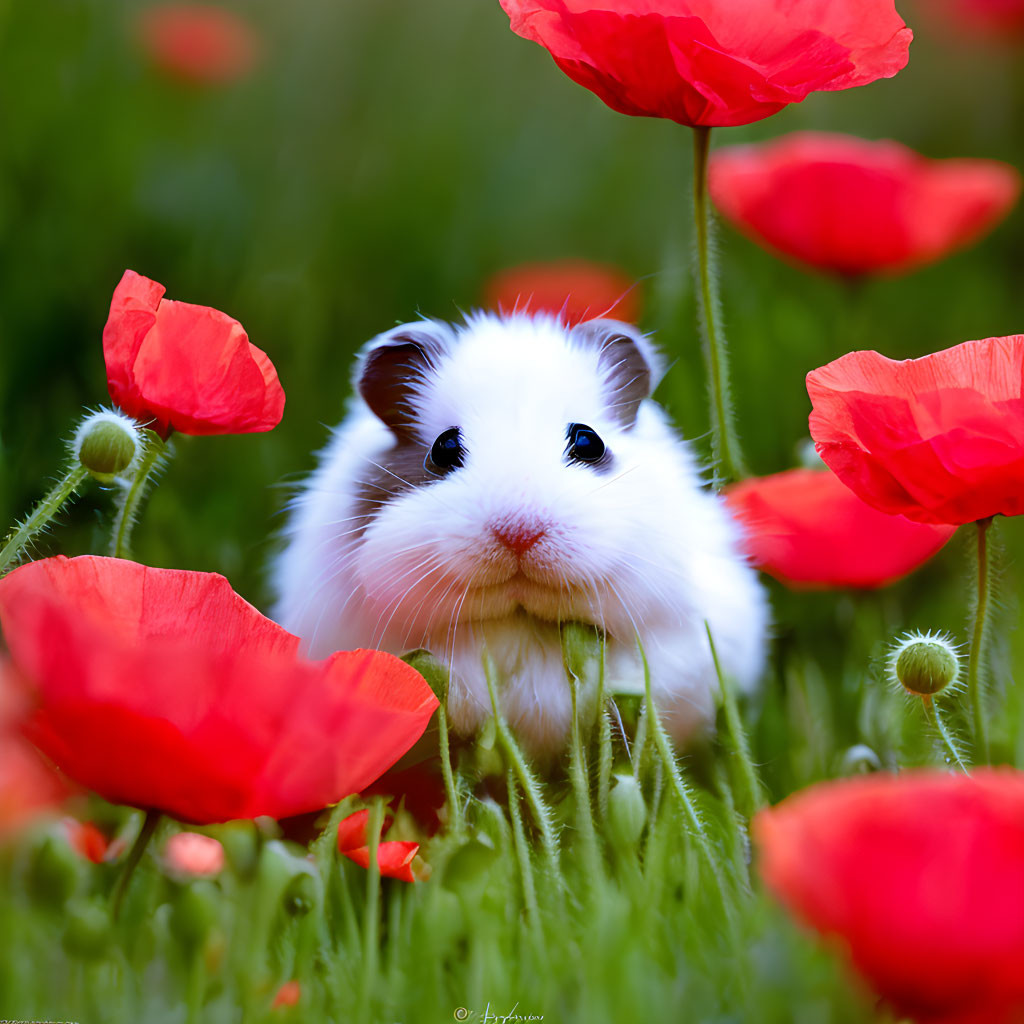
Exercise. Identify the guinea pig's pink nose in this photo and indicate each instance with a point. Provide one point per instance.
(518, 536)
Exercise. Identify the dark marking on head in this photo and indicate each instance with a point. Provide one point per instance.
(396, 471)
(628, 374)
(394, 365)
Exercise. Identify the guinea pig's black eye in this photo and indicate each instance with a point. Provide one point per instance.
(447, 453)
(584, 443)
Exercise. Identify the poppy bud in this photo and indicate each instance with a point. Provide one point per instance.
(87, 931)
(580, 649)
(106, 443)
(194, 913)
(53, 873)
(302, 894)
(627, 811)
(859, 759)
(925, 663)
(431, 669)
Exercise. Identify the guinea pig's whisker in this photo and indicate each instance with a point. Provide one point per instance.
(612, 480)
(379, 633)
(411, 485)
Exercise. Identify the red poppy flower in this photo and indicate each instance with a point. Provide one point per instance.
(852, 206)
(198, 44)
(994, 19)
(921, 878)
(575, 290)
(394, 858)
(173, 365)
(938, 439)
(806, 528)
(287, 995)
(192, 855)
(164, 689)
(87, 840)
(702, 62)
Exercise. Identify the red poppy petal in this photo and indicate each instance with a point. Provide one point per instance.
(705, 63)
(854, 206)
(175, 365)
(808, 529)
(937, 439)
(394, 859)
(932, 916)
(162, 688)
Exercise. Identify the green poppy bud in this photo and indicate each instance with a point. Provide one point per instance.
(107, 443)
(87, 931)
(53, 872)
(194, 913)
(925, 663)
(302, 894)
(432, 671)
(627, 811)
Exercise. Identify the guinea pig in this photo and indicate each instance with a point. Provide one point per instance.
(495, 479)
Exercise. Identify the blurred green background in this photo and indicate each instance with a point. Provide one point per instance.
(381, 161)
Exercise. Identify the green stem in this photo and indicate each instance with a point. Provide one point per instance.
(371, 916)
(450, 787)
(754, 791)
(581, 790)
(682, 792)
(725, 444)
(931, 709)
(976, 658)
(640, 743)
(522, 851)
(531, 789)
(41, 516)
(133, 493)
(131, 862)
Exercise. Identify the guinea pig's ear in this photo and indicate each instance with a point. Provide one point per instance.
(632, 366)
(394, 365)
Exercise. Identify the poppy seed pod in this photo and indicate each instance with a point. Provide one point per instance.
(925, 663)
(107, 444)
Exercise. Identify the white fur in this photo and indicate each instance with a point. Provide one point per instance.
(641, 549)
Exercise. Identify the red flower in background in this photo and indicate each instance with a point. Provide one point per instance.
(176, 366)
(193, 855)
(88, 841)
(165, 690)
(809, 530)
(702, 62)
(938, 439)
(995, 19)
(852, 206)
(575, 290)
(393, 858)
(920, 876)
(198, 44)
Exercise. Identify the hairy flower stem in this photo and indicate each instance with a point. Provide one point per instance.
(133, 493)
(931, 710)
(522, 853)
(581, 791)
(976, 658)
(131, 862)
(724, 442)
(41, 516)
(604, 742)
(451, 787)
(371, 911)
(753, 797)
(531, 788)
(681, 789)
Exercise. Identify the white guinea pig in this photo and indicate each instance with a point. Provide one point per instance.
(494, 479)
